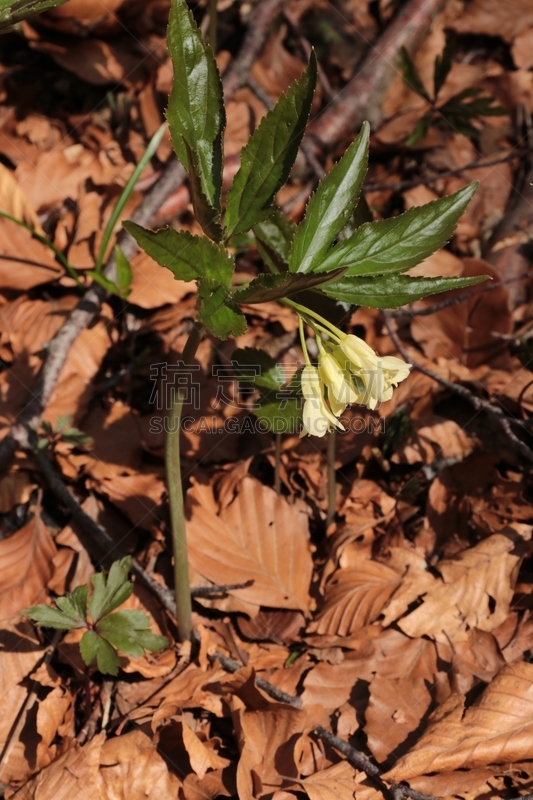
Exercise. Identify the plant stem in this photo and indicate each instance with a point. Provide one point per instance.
(213, 13)
(330, 329)
(175, 495)
(332, 483)
(277, 463)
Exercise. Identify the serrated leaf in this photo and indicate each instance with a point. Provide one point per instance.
(443, 65)
(255, 366)
(50, 618)
(11, 13)
(331, 206)
(207, 216)
(397, 244)
(218, 312)
(195, 112)
(188, 257)
(269, 287)
(74, 604)
(93, 646)
(274, 238)
(267, 159)
(124, 272)
(129, 631)
(110, 593)
(410, 75)
(392, 291)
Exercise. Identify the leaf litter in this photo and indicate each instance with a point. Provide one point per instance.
(404, 628)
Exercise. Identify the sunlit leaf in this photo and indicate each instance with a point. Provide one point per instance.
(393, 291)
(267, 159)
(330, 208)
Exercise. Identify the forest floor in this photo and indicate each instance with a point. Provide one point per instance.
(386, 654)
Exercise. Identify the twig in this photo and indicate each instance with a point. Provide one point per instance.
(480, 405)
(88, 307)
(209, 591)
(258, 24)
(364, 764)
(98, 534)
(399, 186)
(230, 665)
(363, 97)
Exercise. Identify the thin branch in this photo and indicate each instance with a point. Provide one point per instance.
(480, 405)
(399, 186)
(363, 97)
(230, 665)
(209, 591)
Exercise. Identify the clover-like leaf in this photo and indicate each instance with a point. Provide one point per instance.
(74, 604)
(267, 159)
(392, 291)
(49, 617)
(93, 646)
(397, 244)
(110, 592)
(331, 206)
(129, 631)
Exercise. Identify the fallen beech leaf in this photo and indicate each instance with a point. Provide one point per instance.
(492, 18)
(497, 729)
(258, 537)
(13, 200)
(395, 709)
(132, 769)
(354, 598)
(474, 591)
(25, 567)
(335, 783)
(24, 262)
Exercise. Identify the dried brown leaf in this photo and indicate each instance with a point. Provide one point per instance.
(474, 591)
(497, 729)
(258, 537)
(395, 709)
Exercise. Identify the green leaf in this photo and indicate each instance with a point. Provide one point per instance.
(330, 208)
(392, 291)
(14, 11)
(74, 604)
(443, 65)
(129, 631)
(218, 311)
(397, 244)
(281, 416)
(195, 110)
(410, 75)
(188, 257)
(267, 159)
(50, 618)
(255, 366)
(277, 232)
(93, 646)
(267, 287)
(110, 593)
(421, 129)
(207, 216)
(124, 272)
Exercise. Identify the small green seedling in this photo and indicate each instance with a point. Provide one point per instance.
(125, 631)
(460, 111)
(63, 432)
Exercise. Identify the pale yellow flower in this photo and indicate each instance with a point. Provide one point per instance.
(317, 417)
(341, 390)
(378, 374)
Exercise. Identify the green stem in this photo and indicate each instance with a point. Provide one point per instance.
(331, 329)
(277, 463)
(332, 482)
(213, 13)
(182, 588)
(302, 341)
